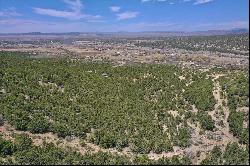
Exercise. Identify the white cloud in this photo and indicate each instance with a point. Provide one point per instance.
(115, 8)
(10, 12)
(199, 2)
(57, 13)
(74, 14)
(127, 15)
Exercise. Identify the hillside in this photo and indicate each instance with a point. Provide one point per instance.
(68, 111)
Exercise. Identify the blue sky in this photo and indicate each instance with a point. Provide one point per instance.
(121, 15)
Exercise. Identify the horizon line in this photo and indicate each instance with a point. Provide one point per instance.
(39, 32)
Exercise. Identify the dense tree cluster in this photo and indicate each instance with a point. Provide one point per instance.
(120, 107)
(199, 93)
(205, 120)
(233, 155)
(237, 88)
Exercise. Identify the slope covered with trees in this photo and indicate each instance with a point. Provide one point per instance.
(147, 109)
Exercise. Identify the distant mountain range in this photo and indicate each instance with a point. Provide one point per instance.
(135, 34)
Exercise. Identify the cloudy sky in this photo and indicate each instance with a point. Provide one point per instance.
(121, 15)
